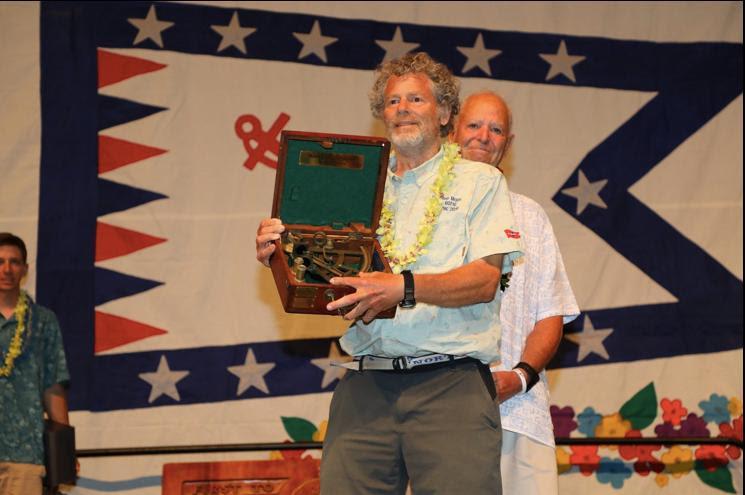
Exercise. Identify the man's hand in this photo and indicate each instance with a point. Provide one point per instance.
(376, 292)
(508, 384)
(268, 231)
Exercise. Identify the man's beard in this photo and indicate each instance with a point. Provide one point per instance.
(408, 140)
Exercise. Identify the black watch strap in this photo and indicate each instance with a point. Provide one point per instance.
(530, 371)
(408, 301)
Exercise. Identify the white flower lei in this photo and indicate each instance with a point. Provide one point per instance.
(397, 259)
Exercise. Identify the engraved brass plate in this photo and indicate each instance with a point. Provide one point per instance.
(330, 159)
(305, 298)
(234, 487)
(306, 292)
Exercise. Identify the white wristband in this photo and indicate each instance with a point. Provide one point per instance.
(522, 380)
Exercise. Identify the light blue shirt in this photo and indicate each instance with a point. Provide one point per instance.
(476, 221)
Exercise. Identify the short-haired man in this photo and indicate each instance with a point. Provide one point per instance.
(535, 307)
(444, 229)
(33, 375)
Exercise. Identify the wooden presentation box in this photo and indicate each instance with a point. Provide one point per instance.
(284, 477)
(328, 193)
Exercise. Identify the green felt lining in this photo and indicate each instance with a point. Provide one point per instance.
(327, 195)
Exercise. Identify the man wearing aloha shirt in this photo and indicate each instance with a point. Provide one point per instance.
(535, 307)
(33, 375)
(447, 227)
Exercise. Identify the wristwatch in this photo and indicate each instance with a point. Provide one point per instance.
(408, 301)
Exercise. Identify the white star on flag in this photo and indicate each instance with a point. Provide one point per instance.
(251, 373)
(163, 381)
(561, 62)
(149, 27)
(478, 55)
(590, 340)
(314, 42)
(586, 192)
(233, 34)
(395, 47)
(331, 372)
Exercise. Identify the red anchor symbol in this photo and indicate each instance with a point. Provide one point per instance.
(258, 142)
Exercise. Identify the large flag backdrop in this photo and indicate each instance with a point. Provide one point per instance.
(139, 152)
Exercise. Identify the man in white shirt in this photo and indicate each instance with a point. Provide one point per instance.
(537, 303)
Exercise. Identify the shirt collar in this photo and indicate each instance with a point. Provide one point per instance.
(420, 174)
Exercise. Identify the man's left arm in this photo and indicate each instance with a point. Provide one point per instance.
(55, 375)
(540, 346)
(473, 283)
(556, 306)
(55, 404)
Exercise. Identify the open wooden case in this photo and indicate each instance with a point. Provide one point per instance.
(328, 194)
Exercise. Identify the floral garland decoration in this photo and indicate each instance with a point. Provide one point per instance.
(16, 343)
(388, 242)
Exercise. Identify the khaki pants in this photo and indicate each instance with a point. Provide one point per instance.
(439, 428)
(20, 479)
(528, 466)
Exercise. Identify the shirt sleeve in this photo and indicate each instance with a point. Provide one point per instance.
(555, 296)
(492, 228)
(55, 364)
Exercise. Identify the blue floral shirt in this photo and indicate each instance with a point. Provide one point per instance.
(40, 365)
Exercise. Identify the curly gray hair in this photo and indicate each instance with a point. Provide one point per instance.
(444, 85)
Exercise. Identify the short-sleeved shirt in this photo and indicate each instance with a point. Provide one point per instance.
(476, 221)
(539, 288)
(40, 365)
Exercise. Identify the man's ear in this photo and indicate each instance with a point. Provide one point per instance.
(444, 115)
(509, 143)
(504, 152)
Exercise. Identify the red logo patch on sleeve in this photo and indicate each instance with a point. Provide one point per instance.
(512, 234)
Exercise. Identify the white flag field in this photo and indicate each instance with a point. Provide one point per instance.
(138, 151)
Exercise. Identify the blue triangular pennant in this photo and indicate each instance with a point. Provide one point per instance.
(112, 285)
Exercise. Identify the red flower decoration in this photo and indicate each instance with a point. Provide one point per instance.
(586, 457)
(733, 431)
(673, 411)
(293, 454)
(646, 461)
(712, 456)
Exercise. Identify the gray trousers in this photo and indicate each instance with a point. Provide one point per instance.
(438, 428)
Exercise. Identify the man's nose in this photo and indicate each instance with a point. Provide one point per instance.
(482, 134)
(402, 107)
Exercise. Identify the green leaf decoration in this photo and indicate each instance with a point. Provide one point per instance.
(299, 429)
(720, 478)
(641, 409)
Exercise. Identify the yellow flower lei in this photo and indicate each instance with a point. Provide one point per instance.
(397, 259)
(16, 342)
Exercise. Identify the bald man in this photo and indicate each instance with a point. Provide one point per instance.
(537, 303)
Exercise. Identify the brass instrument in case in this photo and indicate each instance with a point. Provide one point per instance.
(319, 257)
(328, 193)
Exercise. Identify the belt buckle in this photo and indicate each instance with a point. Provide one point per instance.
(400, 363)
